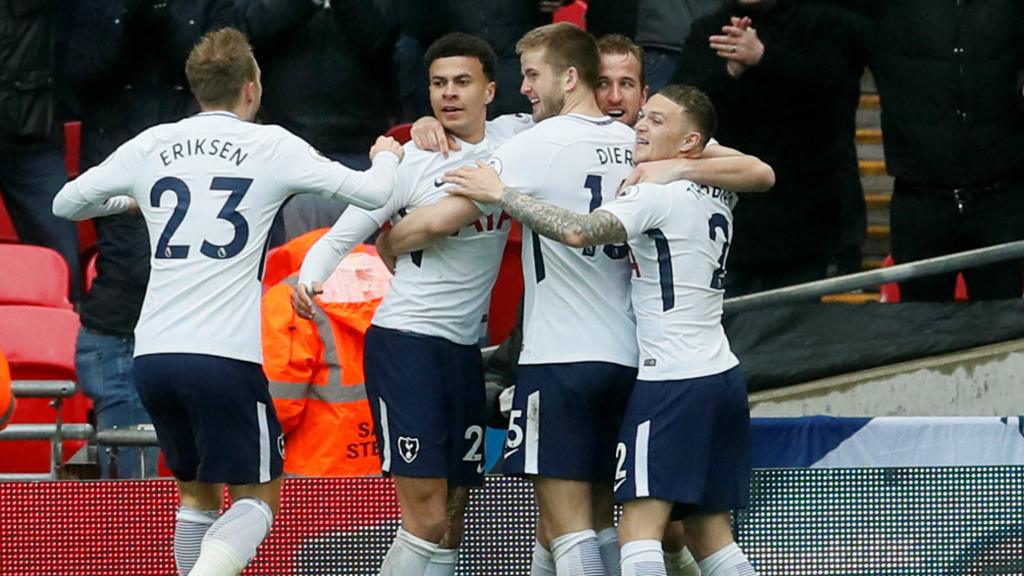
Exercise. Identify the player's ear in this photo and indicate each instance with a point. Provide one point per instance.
(572, 78)
(691, 141)
(489, 92)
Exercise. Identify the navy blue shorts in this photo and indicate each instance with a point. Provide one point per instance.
(429, 405)
(687, 442)
(565, 420)
(213, 416)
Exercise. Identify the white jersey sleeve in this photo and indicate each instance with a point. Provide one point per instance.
(102, 190)
(353, 227)
(300, 166)
(639, 212)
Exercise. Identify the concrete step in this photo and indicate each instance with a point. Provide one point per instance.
(872, 168)
(869, 135)
(852, 298)
(872, 263)
(876, 183)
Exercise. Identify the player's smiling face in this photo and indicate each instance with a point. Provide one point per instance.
(620, 94)
(459, 95)
(662, 130)
(541, 85)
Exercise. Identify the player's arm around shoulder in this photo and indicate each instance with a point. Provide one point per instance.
(718, 166)
(481, 183)
(427, 224)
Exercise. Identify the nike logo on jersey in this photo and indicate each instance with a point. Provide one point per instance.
(439, 181)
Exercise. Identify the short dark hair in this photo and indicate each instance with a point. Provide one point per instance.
(695, 103)
(219, 66)
(618, 44)
(460, 44)
(565, 46)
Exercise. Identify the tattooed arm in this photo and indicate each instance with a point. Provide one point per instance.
(482, 184)
(565, 226)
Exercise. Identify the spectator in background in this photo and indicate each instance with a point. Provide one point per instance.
(660, 27)
(315, 367)
(31, 131)
(327, 77)
(775, 70)
(501, 22)
(126, 63)
(950, 76)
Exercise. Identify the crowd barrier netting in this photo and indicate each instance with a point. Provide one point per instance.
(802, 521)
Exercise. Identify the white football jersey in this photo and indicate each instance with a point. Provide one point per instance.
(443, 290)
(209, 187)
(679, 234)
(577, 299)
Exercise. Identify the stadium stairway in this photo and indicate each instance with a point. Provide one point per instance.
(877, 186)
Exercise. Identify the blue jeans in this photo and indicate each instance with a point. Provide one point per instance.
(104, 364)
(29, 181)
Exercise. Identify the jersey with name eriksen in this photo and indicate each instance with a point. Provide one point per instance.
(577, 306)
(209, 187)
(679, 234)
(443, 290)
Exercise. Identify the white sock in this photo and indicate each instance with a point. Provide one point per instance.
(577, 554)
(442, 563)
(543, 563)
(409, 555)
(681, 563)
(729, 561)
(230, 544)
(642, 558)
(608, 543)
(189, 528)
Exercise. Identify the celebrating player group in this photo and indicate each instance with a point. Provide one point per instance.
(626, 390)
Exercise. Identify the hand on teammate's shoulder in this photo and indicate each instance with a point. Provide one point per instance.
(387, 144)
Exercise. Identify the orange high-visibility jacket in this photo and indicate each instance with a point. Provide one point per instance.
(6, 397)
(315, 369)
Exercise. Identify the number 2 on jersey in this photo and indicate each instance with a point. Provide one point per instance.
(717, 222)
(229, 212)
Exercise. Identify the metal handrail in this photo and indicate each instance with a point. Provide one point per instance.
(47, 432)
(862, 280)
(127, 437)
(43, 388)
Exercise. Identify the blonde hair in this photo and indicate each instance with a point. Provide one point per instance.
(565, 46)
(219, 66)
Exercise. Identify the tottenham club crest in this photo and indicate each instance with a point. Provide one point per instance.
(409, 448)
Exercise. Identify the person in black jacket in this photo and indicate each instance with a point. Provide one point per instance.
(327, 77)
(31, 133)
(126, 64)
(950, 76)
(776, 71)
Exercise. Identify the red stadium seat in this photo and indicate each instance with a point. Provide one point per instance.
(39, 344)
(33, 276)
(72, 147)
(7, 231)
(400, 132)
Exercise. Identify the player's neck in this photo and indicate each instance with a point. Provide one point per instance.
(582, 102)
(473, 136)
(236, 110)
